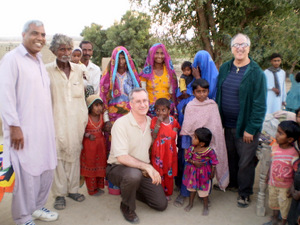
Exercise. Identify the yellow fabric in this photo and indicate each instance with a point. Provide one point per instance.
(182, 85)
(70, 112)
(159, 87)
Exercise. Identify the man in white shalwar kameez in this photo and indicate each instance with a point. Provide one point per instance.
(70, 118)
(29, 138)
(276, 84)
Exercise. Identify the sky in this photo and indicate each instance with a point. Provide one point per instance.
(68, 17)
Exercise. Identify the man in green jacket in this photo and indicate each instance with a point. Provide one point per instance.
(241, 98)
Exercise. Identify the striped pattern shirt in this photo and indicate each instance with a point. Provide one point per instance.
(230, 95)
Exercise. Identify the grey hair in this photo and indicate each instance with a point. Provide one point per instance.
(138, 89)
(38, 23)
(235, 36)
(60, 39)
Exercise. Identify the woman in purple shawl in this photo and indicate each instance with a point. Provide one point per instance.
(159, 78)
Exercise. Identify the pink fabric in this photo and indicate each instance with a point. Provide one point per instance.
(284, 163)
(149, 64)
(206, 114)
(107, 84)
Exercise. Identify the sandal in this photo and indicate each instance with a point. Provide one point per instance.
(76, 197)
(60, 203)
(179, 201)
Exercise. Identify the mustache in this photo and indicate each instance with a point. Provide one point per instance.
(87, 55)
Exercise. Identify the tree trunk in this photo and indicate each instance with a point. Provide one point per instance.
(204, 29)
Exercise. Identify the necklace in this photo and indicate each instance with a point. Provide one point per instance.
(237, 69)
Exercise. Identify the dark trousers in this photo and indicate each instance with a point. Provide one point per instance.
(134, 186)
(242, 161)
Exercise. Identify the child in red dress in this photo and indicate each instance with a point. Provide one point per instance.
(93, 155)
(164, 151)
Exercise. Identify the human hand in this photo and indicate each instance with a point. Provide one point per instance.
(107, 126)
(153, 174)
(92, 137)
(247, 138)
(196, 72)
(16, 137)
(276, 90)
(184, 95)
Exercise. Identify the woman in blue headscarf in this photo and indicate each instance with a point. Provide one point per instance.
(208, 71)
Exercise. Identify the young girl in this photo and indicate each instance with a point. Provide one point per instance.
(164, 152)
(200, 168)
(93, 155)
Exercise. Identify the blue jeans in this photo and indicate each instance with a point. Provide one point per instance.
(242, 161)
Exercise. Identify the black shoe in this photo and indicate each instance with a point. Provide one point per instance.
(128, 214)
(243, 202)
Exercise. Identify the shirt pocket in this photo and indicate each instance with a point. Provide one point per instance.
(77, 89)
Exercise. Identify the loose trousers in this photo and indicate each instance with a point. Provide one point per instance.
(134, 186)
(30, 192)
(66, 178)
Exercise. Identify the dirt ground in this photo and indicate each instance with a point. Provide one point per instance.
(105, 210)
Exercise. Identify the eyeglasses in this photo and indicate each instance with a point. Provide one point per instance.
(242, 45)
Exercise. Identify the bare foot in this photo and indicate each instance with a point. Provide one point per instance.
(188, 208)
(168, 198)
(205, 212)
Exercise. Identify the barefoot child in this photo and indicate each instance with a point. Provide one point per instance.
(164, 152)
(93, 155)
(285, 160)
(200, 168)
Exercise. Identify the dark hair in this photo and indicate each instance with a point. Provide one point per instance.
(297, 77)
(186, 64)
(96, 101)
(85, 42)
(204, 135)
(290, 128)
(275, 55)
(297, 111)
(200, 82)
(162, 102)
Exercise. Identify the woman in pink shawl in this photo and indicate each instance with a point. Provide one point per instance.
(159, 78)
(117, 81)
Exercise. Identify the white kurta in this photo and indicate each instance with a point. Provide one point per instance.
(94, 76)
(26, 102)
(69, 110)
(274, 102)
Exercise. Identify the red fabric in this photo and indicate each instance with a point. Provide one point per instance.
(164, 153)
(93, 184)
(93, 154)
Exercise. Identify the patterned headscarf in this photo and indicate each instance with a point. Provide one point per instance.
(109, 88)
(208, 69)
(148, 67)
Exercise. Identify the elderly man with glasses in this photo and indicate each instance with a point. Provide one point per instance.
(241, 97)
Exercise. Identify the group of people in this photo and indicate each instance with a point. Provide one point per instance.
(136, 131)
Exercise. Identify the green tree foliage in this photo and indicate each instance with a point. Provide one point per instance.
(272, 25)
(132, 32)
(97, 36)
